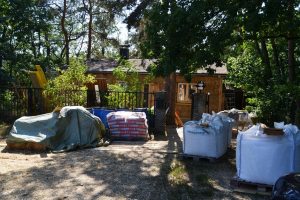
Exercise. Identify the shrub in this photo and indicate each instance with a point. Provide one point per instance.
(69, 88)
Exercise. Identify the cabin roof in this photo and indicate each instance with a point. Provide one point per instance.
(141, 65)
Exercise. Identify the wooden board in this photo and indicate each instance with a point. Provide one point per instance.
(31, 146)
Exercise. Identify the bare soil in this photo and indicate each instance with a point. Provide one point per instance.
(123, 170)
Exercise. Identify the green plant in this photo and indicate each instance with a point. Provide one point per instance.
(7, 97)
(177, 174)
(126, 90)
(69, 88)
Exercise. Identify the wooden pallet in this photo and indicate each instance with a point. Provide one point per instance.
(240, 185)
(115, 138)
(198, 158)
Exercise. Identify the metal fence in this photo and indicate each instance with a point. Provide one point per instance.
(234, 99)
(118, 100)
(17, 102)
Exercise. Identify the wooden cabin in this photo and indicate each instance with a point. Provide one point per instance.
(103, 70)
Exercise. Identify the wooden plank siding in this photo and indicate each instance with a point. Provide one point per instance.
(214, 85)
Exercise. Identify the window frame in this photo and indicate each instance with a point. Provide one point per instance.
(185, 90)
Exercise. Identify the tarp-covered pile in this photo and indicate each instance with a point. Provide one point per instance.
(209, 137)
(72, 127)
(128, 125)
(262, 158)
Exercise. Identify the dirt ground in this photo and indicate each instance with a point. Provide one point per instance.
(123, 170)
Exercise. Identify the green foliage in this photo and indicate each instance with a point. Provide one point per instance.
(69, 88)
(185, 35)
(6, 98)
(23, 24)
(270, 99)
(258, 61)
(251, 37)
(30, 32)
(126, 91)
(128, 74)
(177, 174)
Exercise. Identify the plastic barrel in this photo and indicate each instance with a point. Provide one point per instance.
(102, 113)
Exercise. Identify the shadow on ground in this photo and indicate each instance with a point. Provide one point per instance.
(130, 174)
(200, 179)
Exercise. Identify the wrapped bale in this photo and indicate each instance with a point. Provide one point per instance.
(207, 137)
(262, 158)
(128, 125)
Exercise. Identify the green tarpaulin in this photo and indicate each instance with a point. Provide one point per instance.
(70, 128)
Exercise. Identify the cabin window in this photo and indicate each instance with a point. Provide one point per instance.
(185, 91)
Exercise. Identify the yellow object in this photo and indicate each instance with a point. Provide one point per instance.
(39, 81)
(38, 77)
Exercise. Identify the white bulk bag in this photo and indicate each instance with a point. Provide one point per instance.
(262, 158)
(211, 141)
(228, 125)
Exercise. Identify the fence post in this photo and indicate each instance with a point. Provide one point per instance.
(145, 100)
(91, 97)
(30, 101)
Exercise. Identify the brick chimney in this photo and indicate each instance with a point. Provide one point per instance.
(124, 51)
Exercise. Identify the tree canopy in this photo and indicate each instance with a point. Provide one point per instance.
(257, 40)
(49, 32)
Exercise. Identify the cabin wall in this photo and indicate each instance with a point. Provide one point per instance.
(213, 85)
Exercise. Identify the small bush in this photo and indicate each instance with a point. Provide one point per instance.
(69, 88)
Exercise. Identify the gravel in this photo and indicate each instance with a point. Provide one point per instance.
(122, 170)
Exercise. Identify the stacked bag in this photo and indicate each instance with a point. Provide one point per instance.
(262, 158)
(128, 125)
(209, 137)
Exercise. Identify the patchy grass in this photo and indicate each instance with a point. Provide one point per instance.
(189, 179)
(183, 184)
(205, 185)
(178, 174)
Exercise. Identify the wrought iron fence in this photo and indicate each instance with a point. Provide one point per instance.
(127, 100)
(17, 102)
(234, 99)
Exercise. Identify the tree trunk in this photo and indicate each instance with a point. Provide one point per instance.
(1, 62)
(48, 50)
(65, 32)
(257, 47)
(295, 109)
(90, 29)
(295, 116)
(39, 44)
(266, 60)
(297, 121)
(279, 69)
(33, 47)
(291, 65)
(291, 60)
(3, 38)
(171, 94)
